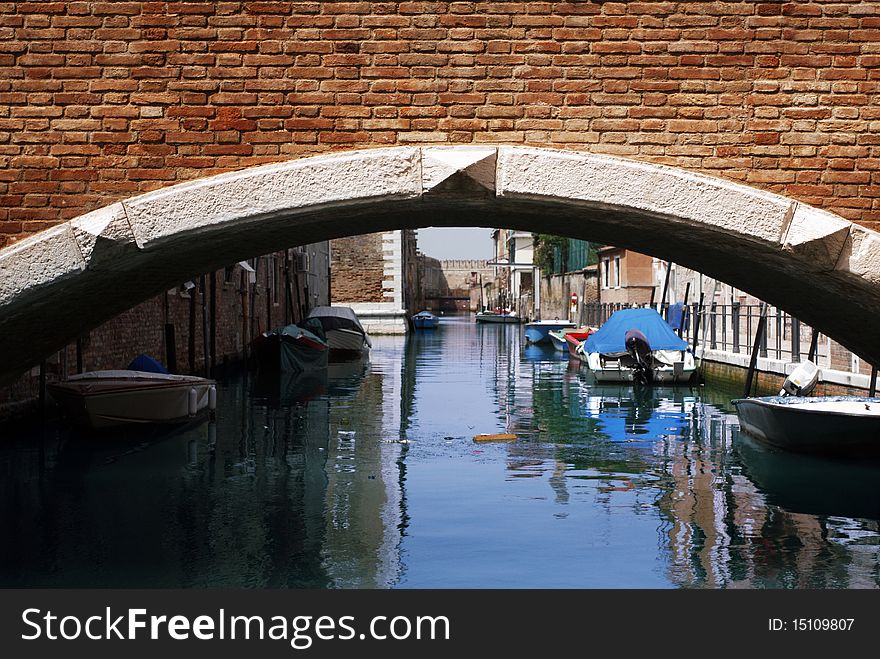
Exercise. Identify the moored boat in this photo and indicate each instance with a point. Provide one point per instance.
(539, 331)
(816, 424)
(343, 331)
(425, 320)
(292, 348)
(102, 399)
(497, 316)
(637, 345)
(569, 339)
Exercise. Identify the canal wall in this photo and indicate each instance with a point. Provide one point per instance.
(212, 323)
(730, 369)
(556, 293)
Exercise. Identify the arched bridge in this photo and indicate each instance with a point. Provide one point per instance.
(70, 278)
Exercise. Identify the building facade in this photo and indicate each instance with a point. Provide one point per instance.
(377, 275)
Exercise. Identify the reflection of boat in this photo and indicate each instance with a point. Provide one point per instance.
(637, 345)
(288, 387)
(101, 399)
(291, 349)
(539, 330)
(345, 334)
(828, 424)
(497, 316)
(540, 352)
(425, 320)
(811, 484)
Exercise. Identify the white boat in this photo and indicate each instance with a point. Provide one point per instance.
(637, 345)
(101, 399)
(821, 424)
(343, 331)
(497, 316)
(818, 424)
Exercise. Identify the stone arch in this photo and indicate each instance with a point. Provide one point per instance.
(72, 277)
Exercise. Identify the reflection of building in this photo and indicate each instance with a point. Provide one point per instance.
(364, 506)
(515, 273)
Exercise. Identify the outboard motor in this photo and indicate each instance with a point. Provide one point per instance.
(640, 350)
(802, 380)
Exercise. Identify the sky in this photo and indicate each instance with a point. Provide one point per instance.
(456, 243)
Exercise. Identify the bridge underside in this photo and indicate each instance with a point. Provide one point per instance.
(67, 280)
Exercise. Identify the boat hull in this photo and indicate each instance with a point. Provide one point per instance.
(425, 322)
(539, 332)
(614, 371)
(276, 354)
(116, 398)
(347, 344)
(821, 424)
(497, 318)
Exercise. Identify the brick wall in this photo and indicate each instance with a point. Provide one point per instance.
(357, 269)
(102, 100)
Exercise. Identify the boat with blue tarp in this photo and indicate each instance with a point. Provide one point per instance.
(637, 345)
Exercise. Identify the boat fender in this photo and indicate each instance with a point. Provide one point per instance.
(212, 398)
(193, 401)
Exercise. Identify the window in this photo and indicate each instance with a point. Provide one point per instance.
(617, 282)
(606, 274)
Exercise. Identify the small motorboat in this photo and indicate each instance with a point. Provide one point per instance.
(425, 320)
(103, 399)
(292, 348)
(539, 331)
(815, 424)
(497, 316)
(796, 421)
(569, 339)
(637, 345)
(345, 335)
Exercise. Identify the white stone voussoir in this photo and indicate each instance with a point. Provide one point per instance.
(237, 198)
(35, 263)
(641, 188)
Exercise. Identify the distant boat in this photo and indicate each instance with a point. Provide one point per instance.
(637, 345)
(345, 335)
(820, 424)
(497, 316)
(570, 338)
(425, 320)
(292, 349)
(102, 399)
(539, 331)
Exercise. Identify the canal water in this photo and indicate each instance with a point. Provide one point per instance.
(369, 477)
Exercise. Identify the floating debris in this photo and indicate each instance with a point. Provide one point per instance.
(497, 437)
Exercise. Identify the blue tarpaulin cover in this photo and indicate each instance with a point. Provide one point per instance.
(609, 339)
(148, 364)
(678, 316)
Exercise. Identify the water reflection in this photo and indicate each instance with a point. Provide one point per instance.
(367, 476)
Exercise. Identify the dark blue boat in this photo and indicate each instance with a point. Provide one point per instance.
(425, 320)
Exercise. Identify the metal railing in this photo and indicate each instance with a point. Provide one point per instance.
(731, 328)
